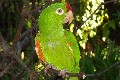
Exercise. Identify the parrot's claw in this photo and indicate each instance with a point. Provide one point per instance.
(64, 74)
(49, 66)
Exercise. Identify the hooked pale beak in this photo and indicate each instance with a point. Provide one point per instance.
(69, 17)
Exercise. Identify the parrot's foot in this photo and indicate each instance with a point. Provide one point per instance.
(64, 74)
(48, 67)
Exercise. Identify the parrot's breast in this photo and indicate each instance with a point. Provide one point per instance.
(57, 52)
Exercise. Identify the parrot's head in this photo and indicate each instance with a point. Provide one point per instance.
(56, 13)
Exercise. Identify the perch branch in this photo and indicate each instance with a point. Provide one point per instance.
(83, 75)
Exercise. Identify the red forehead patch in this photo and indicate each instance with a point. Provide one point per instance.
(68, 7)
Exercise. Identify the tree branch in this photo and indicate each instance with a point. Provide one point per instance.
(83, 75)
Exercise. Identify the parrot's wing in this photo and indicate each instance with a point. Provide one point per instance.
(73, 46)
(39, 48)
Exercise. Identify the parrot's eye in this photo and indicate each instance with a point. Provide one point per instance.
(59, 11)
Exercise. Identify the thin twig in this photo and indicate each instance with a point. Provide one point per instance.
(102, 72)
(23, 15)
(6, 68)
(107, 2)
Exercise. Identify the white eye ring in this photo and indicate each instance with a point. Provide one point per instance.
(59, 11)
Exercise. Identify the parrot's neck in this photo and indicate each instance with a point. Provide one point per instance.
(53, 31)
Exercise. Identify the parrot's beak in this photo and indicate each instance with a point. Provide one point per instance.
(69, 17)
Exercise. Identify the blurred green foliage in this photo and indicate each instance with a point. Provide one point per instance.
(98, 37)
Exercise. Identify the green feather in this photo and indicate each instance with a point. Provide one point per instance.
(54, 39)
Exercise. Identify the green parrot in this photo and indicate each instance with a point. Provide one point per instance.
(55, 45)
